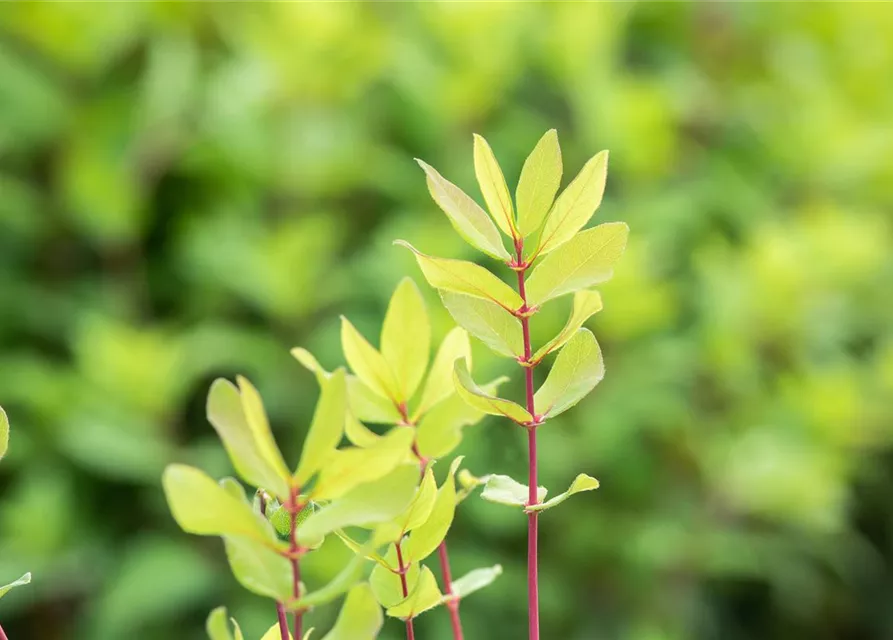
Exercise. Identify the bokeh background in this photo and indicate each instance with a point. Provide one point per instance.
(189, 190)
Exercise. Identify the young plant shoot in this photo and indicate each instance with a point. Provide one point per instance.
(551, 255)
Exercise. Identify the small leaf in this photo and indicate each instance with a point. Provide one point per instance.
(575, 205)
(493, 187)
(406, 337)
(234, 488)
(386, 583)
(360, 617)
(370, 503)
(203, 507)
(469, 482)
(341, 583)
(358, 433)
(581, 483)
(360, 549)
(440, 430)
(4, 433)
(426, 538)
(346, 468)
(217, 625)
(424, 596)
(586, 304)
(504, 490)
(260, 426)
(468, 219)
(226, 413)
(465, 277)
(326, 428)
(475, 580)
(575, 372)
(275, 633)
(469, 391)
(421, 506)
(439, 384)
(25, 579)
(258, 568)
(538, 184)
(486, 321)
(585, 261)
(369, 365)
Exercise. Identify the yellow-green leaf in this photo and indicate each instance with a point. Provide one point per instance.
(576, 204)
(259, 568)
(585, 261)
(326, 428)
(341, 583)
(406, 337)
(465, 277)
(424, 596)
(275, 633)
(475, 580)
(581, 483)
(575, 372)
(358, 433)
(427, 537)
(538, 184)
(260, 426)
(486, 321)
(586, 304)
(25, 579)
(469, 391)
(368, 364)
(234, 488)
(218, 626)
(360, 617)
(226, 413)
(386, 583)
(468, 219)
(493, 187)
(439, 384)
(4, 433)
(421, 506)
(504, 490)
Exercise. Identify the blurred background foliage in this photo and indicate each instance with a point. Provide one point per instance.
(189, 190)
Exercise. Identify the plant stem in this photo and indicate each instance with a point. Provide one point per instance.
(2, 634)
(410, 632)
(452, 604)
(533, 605)
(294, 510)
(283, 620)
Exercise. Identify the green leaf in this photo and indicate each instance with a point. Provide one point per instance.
(493, 187)
(581, 483)
(258, 568)
(469, 482)
(346, 468)
(386, 583)
(369, 365)
(575, 205)
(417, 512)
(275, 633)
(440, 430)
(234, 488)
(217, 625)
(260, 426)
(439, 384)
(465, 277)
(360, 617)
(469, 391)
(468, 219)
(226, 413)
(203, 507)
(426, 538)
(358, 433)
(538, 184)
(370, 503)
(361, 549)
(475, 580)
(341, 583)
(4, 433)
(424, 596)
(585, 261)
(25, 579)
(586, 304)
(326, 428)
(486, 321)
(406, 337)
(504, 490)
(575, 372)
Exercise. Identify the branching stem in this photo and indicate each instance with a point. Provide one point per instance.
(410, 632)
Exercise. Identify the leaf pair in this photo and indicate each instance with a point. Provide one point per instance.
(504, 490)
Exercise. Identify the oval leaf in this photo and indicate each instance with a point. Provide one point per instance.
(504, 490)
(586, 304)
(386, 583)
(471, 393)
(493, 187)
(425, 596)
(4, 433)
(581, 483)
(369, 365)
(358, 433)
(258, 568)
(341, 583)
(260, 426)
(326, 428)
(486, 321)
(218, 625)
(360, 617)
(406, 337)
(538, 184)
(25, 579)
(576, 371)
(426, 538)
(475, 580)
(439, 384)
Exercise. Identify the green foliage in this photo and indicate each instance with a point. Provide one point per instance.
(504, 490)
(581, 483)
(4, 433)
(25, 579)
(360, 617)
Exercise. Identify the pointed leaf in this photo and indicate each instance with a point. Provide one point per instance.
(234, 488)
(538, 184)
(258, 568)
(486, 321)
(341, 583)
(217, 625)
(203, 507)
(421, 506)
(425, 596)
(504, 490)
(585, 261)
(469, 391)
(406, 337)
(275, 633)
(360, 549)
(493, 187)
(576, 371)
(368, 364)
(581, 483)
(426, 538)
(575, 205)
(386, 583)
(370, 503)
(360, 617)
(469, 483)
(475, 580)
(260, 426)
(468, 219)
(346, 468)
(4, 433)
(25, 579)
(226, 413)
(586, 304)
(465, 277)
(358, 433)
(326, 428)
(439, 384)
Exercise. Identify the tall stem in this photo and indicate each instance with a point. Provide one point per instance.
(294, 509)
(280, 608)
(452, 604)
(2, 634)
(410, 632)
(533, 605)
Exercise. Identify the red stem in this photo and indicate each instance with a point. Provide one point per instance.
(283, 620)
(452, 604)
(3, 635)
(295, 508)
(410, 632)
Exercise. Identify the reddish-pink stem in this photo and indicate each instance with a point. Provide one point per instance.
(410, 632)
(280, 608)
(452, 604)
(2, 634)
(294, 509)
